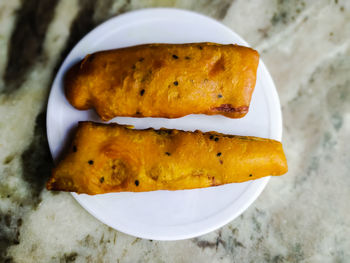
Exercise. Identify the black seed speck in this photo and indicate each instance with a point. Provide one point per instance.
(142, 92)
(200, 47)
(74, 148)
(137, 182)
(176, 83)
(221, 161)
(216, 139)
(219, 96)
(8, 196)
(218, 154)
(91, 162)
(250, 175)
(187, 57)
(167, 153)
(175, 57)
(133, 67)
(138, 113)
(211, 137)
(141, 59)
(102, 179)
(113, 167)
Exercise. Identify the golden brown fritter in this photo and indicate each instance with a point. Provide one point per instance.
(165, 80)
(107, 158)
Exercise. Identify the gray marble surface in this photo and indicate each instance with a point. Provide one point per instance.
(303, 216)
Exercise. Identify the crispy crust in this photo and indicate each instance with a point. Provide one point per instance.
(107, 158)
(165, 80)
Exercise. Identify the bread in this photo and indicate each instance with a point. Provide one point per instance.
(107, 158)
(165, 80)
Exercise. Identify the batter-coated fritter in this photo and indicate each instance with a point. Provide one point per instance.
(165, 80)
(107, 158)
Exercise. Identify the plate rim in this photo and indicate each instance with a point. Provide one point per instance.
(256, 185)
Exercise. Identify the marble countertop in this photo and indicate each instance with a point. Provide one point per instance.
(303, 216)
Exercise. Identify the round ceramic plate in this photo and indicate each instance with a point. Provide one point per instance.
(167, 215)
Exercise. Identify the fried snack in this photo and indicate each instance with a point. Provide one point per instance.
(107, 158)
(165, 80)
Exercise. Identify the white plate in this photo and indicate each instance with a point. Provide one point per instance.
(167, 215)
